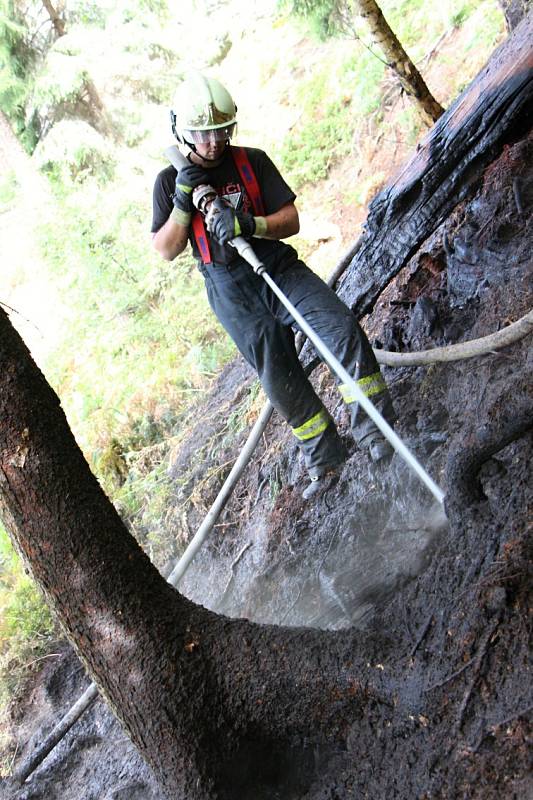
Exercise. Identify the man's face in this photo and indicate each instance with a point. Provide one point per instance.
(211, 150)
(208, 144)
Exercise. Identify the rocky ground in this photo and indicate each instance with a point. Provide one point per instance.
(373, 551)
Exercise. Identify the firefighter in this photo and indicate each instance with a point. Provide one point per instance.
(259, 205)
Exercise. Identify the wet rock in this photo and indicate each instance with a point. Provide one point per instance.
(495, 599)
(423, 319)
(463, 272)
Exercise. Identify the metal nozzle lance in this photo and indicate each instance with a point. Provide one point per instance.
(202, 196)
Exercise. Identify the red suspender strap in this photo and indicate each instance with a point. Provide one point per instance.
(252, 188)
(248, 178)
(200, 236)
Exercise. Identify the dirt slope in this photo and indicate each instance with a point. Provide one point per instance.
(371, 551)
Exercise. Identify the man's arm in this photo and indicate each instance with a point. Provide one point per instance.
(171, 239)
(173, 208)
(280, 224)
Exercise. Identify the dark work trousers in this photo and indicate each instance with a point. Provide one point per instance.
(262, 329)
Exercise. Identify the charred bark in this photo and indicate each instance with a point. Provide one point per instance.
(496, 431)
(447, 166)
(514, 11)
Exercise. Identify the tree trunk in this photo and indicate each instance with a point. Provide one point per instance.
(514, 11)
(55, 17)
(225, 709)
(445, 169)
(410, 78)
(207, 700)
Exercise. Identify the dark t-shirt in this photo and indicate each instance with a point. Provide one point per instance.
(226, 180)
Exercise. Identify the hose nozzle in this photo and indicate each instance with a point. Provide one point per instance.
(202, 197)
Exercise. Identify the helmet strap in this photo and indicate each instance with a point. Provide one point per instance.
(192, 147)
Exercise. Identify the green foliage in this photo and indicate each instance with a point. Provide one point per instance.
(17, 59)
(301, 159)
(417, 26)
(8, 190)
(486, 35)
(26, 624)
(461, 15)
(144, 66)
(74, 151)
(63, 88)
(157, 7)
(321, 15)
(343, 92)
(323, 121)
(407, 124)
(143, 500)
(332, 102)
(364, 73)
(61, 81)
(459, 11)
(145, 343)
(87, 13)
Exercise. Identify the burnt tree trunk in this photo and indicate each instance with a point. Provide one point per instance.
(197, 693)
(514, 11)
(410, 78)
(445, 169)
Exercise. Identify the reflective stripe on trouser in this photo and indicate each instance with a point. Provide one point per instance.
(261, 328)
(320, 443)
(371, 385)
(374, 387)
(313, 427)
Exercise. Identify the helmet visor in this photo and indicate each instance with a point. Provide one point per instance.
(211, 135)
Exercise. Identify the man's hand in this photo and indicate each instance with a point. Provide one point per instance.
(225, 224)
(188, 178)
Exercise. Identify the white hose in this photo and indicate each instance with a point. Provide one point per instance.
(456, 352)
(359, 395)
(224, 494)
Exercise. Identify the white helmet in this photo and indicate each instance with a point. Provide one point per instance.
(202, 110)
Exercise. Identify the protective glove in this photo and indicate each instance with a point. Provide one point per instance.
(187, 179)
(227, 223)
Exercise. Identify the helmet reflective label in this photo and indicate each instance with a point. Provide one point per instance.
(209, 114)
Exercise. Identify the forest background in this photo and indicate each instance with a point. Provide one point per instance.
(127, 340)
